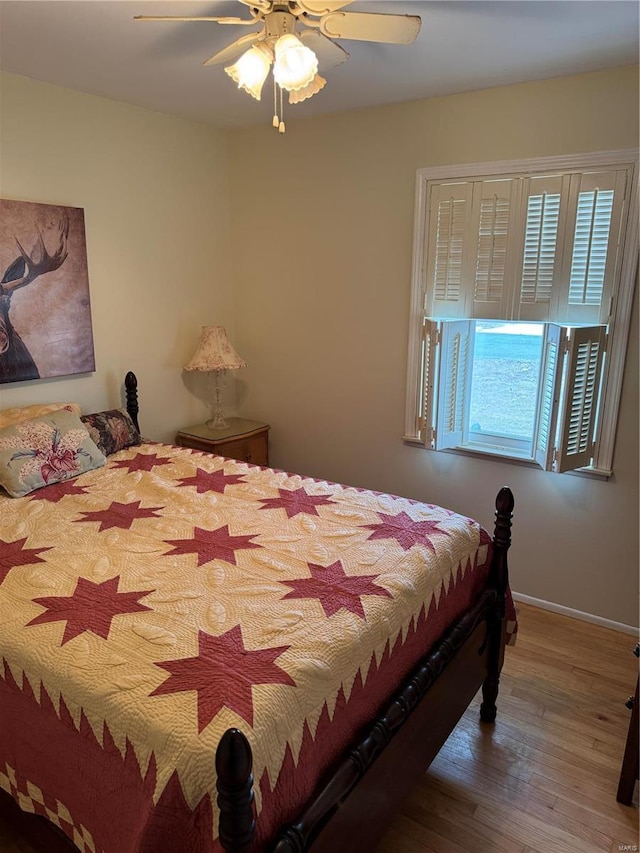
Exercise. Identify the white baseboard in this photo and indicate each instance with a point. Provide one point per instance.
(575, 614)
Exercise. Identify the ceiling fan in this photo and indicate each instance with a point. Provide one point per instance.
(297, 39)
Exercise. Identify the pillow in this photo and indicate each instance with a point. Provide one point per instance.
(45, 450)
(112, 430)
(25, 413)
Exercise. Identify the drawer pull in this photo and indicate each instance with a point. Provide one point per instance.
(630, 702)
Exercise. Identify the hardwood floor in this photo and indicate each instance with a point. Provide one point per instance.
(544, 778)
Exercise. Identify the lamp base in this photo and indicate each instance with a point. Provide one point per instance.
(217, 422)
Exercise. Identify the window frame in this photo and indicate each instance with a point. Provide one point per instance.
(619, 317)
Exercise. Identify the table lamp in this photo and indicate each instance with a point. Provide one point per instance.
(215, 355)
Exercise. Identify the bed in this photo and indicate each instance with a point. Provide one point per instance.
(198, 654)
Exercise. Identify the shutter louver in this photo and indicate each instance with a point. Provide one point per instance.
(541, 235)
(590, 246)
(454, 382)
(591, 256)
(450, 234)
(551, 375)
(491, 255)
(428, 370)
(450, 250)
(582, 390)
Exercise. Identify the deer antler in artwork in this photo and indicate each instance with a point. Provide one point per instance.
(16, 361)
(28, 267)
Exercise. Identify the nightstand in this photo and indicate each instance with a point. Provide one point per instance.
(247, 441)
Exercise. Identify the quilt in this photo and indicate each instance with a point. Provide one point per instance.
(149, 605)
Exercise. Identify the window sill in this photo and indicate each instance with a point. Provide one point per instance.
(495, 453)
(509, 458)
(486, 448)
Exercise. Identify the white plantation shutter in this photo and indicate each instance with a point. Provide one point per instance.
(426, 408)
(544, 209)
(591, 255)
(550, 382)
(590, 244)
(541, 237)
(579, 406)
(491, 224)
(547, 240)
(454, 382)
(449, 248)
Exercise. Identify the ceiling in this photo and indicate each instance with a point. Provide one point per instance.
(95, 46)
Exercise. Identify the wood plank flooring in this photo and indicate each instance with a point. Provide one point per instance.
(544, 778)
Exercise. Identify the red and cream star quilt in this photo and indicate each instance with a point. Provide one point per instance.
(149, 605)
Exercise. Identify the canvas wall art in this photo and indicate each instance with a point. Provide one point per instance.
(45, 312)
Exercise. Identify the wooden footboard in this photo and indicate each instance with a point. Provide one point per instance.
(365, 791)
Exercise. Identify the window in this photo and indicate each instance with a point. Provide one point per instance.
(504, 388)
(522, 289)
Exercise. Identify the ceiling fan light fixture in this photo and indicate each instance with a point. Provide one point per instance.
(299, 95)
(295, 65)
(251, 70)
(294, 59)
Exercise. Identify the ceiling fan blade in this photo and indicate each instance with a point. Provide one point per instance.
(263, 5)
(194, 18)
(233, 50)
(328, 52)
(371, 26)
(321, 7)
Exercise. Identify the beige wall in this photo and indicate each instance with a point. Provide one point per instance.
(321, 240)
(155, 195)
(322, 226)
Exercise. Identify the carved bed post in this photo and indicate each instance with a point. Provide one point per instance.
(496, 623)
(235, 792)
(131, 388)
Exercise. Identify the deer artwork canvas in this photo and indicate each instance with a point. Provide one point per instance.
(45, 313)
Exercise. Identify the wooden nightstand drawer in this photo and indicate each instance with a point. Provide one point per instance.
(252, 450)
(247, 441)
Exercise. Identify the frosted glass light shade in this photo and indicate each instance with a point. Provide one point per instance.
(295, 65)
(313, 88)
(251, 70)
(214, 352)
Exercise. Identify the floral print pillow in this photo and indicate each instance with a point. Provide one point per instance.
(45, 450)
(27, 413)
(112, 430)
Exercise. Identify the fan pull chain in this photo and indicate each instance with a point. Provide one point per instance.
(276, 120)
(278, 116)
(281, 126)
